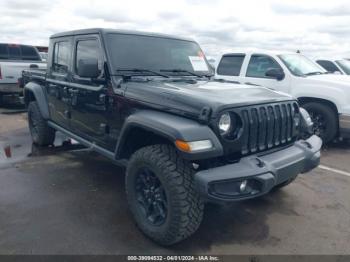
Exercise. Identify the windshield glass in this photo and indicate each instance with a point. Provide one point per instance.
(170, 56)
(345, 65)
(300, 65)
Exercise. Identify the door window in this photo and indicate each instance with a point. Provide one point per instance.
(87, 49)
(29, 53)
(328, 65)
(14, 52)
(4, 53)
(259, 65)
(230, 65)
(61, 57)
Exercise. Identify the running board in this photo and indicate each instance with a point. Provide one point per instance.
(89, 145)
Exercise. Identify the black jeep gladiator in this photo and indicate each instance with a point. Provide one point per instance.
(149, 102)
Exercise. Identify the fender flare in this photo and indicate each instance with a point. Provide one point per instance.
(40, 96)
(170, 127)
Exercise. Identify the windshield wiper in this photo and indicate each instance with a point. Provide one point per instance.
(180, 71)
(313, 73)
(140, 70)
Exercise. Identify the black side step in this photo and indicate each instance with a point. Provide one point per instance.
(91, 146)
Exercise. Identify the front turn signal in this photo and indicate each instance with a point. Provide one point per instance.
(193, 146)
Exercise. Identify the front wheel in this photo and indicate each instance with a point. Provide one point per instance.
(42, 134)
(161, 194)
(325, 120)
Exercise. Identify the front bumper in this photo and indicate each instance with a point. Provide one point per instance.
(263, 172)
(344, 125)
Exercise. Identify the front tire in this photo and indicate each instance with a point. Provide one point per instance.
(161, 194)
(41, 133)
(325, 120)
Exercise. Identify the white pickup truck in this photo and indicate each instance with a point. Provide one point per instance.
(326, 96)
(13, 60)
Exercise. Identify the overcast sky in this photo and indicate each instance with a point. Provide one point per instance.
(316, 27)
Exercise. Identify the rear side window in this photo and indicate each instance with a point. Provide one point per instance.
(18, 52)
(259, 64)
(61, 57)
(87, 49)
(4, 53)
(14, 52)
(230, 65)
(328, 65)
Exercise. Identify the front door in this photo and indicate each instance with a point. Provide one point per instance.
(256, 73)
(91, 101)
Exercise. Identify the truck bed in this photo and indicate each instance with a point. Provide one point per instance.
(38, 75)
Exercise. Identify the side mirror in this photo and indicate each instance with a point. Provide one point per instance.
(88, 68)
(275, 73)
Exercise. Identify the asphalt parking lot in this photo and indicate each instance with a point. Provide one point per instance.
(64, 200)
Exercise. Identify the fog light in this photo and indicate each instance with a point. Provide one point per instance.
(243, 186)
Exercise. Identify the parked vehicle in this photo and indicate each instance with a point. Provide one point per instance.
(13, 59)
(325, 96)
(341, 66)
(43, 56)
(148, 102)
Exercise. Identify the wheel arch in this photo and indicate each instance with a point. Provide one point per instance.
(35, 92)
(305, 99)
(147, 127)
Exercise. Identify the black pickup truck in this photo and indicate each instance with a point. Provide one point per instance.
(149, 102)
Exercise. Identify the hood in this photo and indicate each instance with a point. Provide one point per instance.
(340, 80)
(191, 97)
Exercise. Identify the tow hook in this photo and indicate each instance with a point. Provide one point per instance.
(260, 163)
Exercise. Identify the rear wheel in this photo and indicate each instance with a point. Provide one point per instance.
(42, 134)
(161, 194)
(325, 120)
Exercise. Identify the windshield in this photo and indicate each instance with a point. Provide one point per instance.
(300, 65)
(345, 65)
(157, 54)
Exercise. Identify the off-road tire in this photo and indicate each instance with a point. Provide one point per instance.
(41, 133)
(184, 205)
(329, 116)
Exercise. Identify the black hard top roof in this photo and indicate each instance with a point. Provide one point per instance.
(118, 31)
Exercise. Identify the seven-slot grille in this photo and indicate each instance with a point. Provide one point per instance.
(268, 126)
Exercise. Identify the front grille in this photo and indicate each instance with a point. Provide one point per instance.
(268, 126)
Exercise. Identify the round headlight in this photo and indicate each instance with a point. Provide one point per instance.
(224, 123)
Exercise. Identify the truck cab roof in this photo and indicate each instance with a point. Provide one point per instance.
(103, 31)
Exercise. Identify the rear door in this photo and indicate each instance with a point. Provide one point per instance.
(58, 79)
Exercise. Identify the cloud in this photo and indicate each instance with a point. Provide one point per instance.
(313, 26)
(293, 9)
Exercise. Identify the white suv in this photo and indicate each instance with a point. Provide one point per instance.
(325, 96)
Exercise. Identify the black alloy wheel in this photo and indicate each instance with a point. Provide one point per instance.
(151, 197)
(325, 120)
